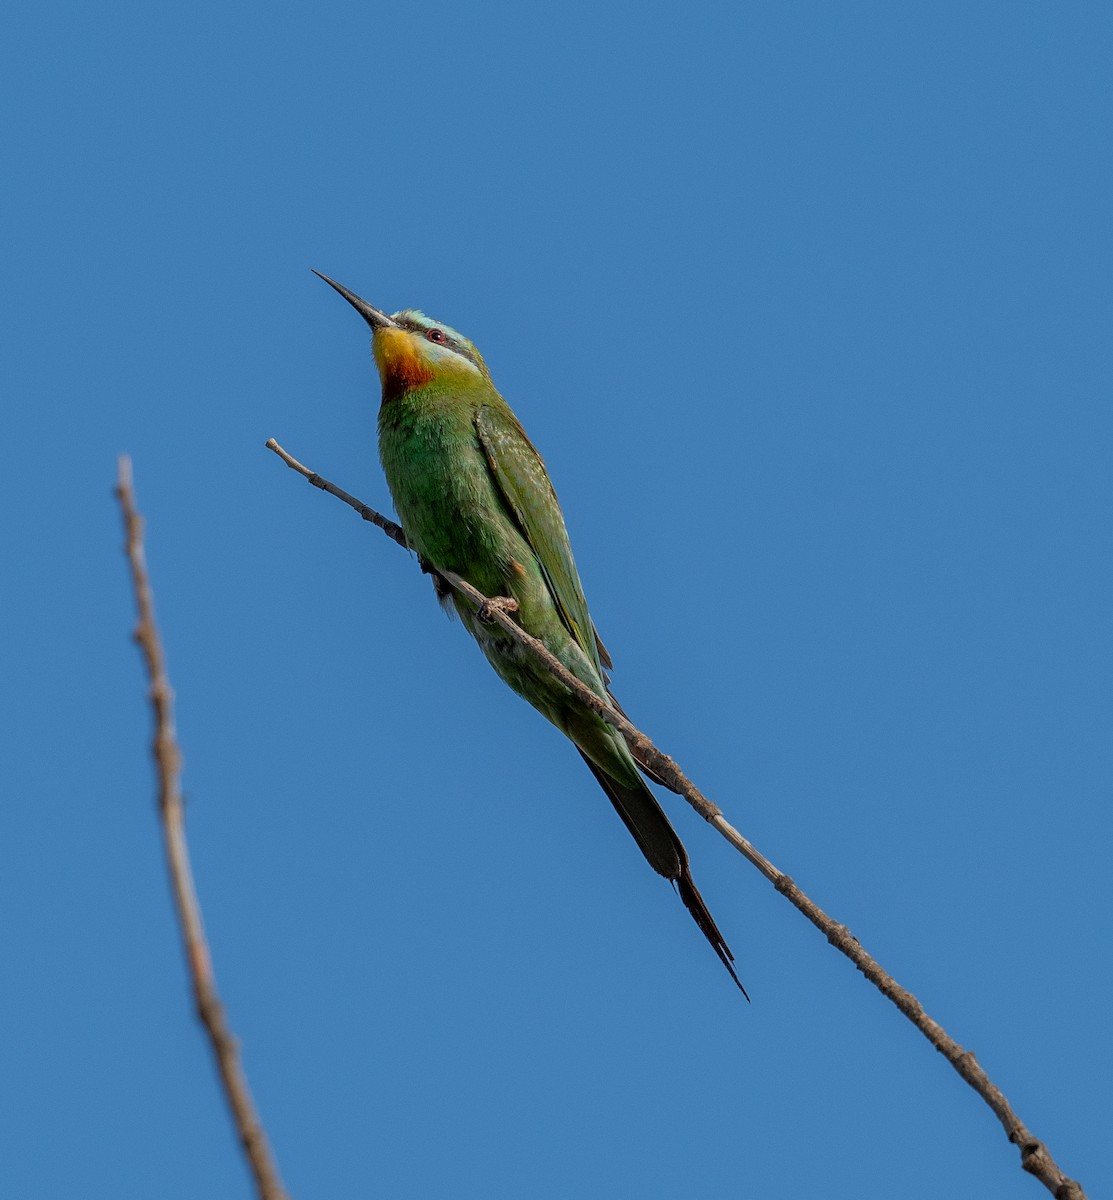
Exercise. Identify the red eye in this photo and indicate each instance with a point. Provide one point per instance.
(436, 335)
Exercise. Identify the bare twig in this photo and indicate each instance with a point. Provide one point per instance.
(1034, 1155)
(168, 764)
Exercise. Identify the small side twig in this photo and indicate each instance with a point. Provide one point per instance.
(1035, 1157)
(168, 765)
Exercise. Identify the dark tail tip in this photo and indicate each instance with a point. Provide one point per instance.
(701, 914)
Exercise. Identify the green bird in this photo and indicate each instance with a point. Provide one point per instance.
(474, 497)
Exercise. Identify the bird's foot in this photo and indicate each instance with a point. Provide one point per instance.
(486, 611)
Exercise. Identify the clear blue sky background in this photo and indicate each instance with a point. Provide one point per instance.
(808, 308)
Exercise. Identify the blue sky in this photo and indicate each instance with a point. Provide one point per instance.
(808, 308)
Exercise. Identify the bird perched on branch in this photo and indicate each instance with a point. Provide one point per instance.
(474, 498)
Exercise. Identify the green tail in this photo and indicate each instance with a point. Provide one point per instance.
(665, 853)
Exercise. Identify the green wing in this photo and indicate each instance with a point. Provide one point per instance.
(524, 484)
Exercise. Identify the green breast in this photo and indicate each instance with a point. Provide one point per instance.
(442, 488)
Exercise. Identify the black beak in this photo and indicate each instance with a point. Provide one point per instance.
(373, 316)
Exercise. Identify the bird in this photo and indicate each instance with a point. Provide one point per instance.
(474, 498)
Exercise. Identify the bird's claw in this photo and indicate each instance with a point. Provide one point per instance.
(505, 604)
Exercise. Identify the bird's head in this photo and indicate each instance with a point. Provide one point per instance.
(412, 350)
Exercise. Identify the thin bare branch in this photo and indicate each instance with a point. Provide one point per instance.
(1034, 1155)
(168, 766)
